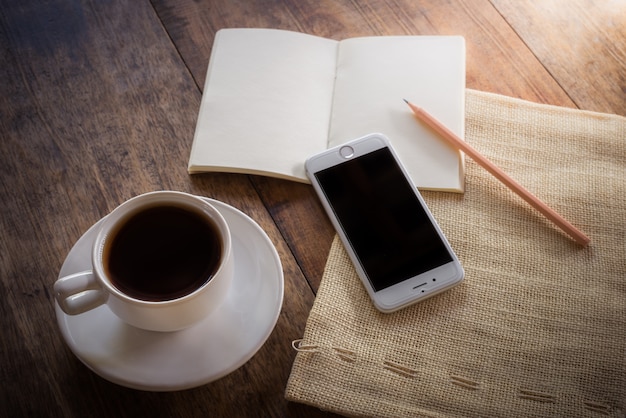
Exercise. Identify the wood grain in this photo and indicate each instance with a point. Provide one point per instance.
(98, 103)
(580, 43)
(97, 108)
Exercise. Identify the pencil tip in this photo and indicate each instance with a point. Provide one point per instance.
(406, 101)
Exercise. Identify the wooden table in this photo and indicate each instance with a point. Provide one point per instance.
(99, 101)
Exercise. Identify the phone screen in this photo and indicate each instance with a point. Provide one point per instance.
(386, 224)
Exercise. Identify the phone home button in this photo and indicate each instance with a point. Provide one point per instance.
(346, 152)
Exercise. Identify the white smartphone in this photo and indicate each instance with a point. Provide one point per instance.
(393, 240)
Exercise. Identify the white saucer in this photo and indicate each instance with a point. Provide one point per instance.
(211, 349)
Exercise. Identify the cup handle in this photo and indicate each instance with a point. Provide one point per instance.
(79, 293)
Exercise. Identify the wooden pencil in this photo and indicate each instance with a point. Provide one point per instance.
(522, 192)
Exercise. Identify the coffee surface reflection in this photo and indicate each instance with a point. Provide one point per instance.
(162, 253)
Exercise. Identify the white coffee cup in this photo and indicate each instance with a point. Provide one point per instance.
(146, 267)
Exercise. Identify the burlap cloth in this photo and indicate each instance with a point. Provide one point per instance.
(538, 327)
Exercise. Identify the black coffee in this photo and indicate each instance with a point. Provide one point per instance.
(162, 253)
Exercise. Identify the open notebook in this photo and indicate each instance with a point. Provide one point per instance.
(273, 98)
